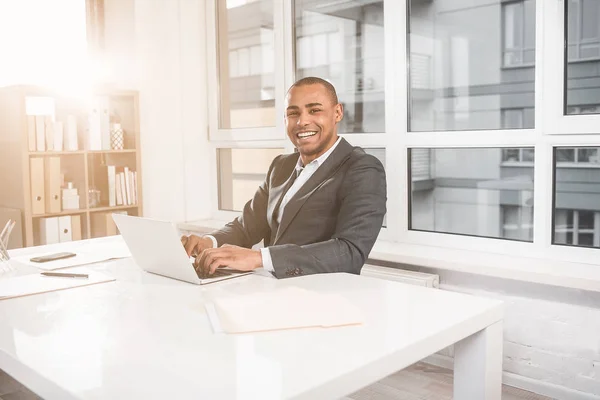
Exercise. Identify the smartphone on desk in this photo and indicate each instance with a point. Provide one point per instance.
(52, 257)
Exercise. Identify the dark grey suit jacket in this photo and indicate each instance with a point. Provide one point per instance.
(329, 225)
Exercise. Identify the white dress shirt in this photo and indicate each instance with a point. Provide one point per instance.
(304, 174)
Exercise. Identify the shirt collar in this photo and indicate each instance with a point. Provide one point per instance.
(321, 159)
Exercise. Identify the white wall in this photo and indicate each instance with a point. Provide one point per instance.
(158, 48)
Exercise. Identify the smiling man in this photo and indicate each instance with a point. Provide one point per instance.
(319, 209)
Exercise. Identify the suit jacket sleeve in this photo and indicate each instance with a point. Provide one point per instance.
(252, 226)
(360, 216)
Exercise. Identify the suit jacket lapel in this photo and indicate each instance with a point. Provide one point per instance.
(329, 167)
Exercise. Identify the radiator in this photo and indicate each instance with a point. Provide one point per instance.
(401, 275)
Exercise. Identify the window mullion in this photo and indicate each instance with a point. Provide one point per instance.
(396, 116)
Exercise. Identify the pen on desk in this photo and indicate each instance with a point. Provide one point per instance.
(65, 275)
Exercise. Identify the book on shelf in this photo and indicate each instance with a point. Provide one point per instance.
(117, 185)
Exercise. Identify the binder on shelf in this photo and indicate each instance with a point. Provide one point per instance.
(31, 133)
(70, 134)
(112, 194)
(49, 128)
(57, 130)
(65, 229)
(36, 173)
(52, 184)
(49, 230)
(40, 133)
(75, 227)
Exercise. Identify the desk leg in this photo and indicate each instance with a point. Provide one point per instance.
(478, 365)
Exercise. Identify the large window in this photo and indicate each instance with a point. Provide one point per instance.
(343, 42)
(486, 147)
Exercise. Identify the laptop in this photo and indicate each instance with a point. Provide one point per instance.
(156, 247)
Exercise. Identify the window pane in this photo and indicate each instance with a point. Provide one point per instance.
(470, 192)
(565, 155)
(467, 49)
(589, 28)
(246, 63)
(512, 118)
(241, 172)
(528, 155)
(583, 37)
(588, 155)
(511, 155)
(577, 198)
(343, 42)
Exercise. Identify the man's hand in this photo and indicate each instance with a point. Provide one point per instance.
(233, 257)
(195, 245)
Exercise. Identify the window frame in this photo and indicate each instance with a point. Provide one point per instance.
(216, 133)
(540, 261)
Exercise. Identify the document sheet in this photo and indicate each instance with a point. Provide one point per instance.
(284, 308)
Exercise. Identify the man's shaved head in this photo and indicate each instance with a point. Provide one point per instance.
(312, 80)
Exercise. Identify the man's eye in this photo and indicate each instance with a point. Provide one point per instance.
(316, 110)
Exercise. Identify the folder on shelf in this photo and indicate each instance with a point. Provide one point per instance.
(70, 134)
(36, 173)
(58, 132)
(75, 227)
(64, 229)
(31, 133)
(40, 133)
(49, 231)
(49, 127)
(52, 184)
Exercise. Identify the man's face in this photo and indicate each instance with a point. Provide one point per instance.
(310, 118)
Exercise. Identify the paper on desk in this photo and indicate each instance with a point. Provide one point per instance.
(285, 308)
(26, 285)
(86, 253)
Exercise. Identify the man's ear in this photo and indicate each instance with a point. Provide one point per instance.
(339, 112)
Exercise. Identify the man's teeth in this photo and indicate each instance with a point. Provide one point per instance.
(306, 134)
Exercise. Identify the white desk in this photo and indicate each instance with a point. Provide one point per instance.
(148, 337)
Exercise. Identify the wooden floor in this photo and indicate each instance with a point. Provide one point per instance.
(426, 382)
(418, 382)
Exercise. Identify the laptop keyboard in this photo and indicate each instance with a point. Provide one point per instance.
(218, 273)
